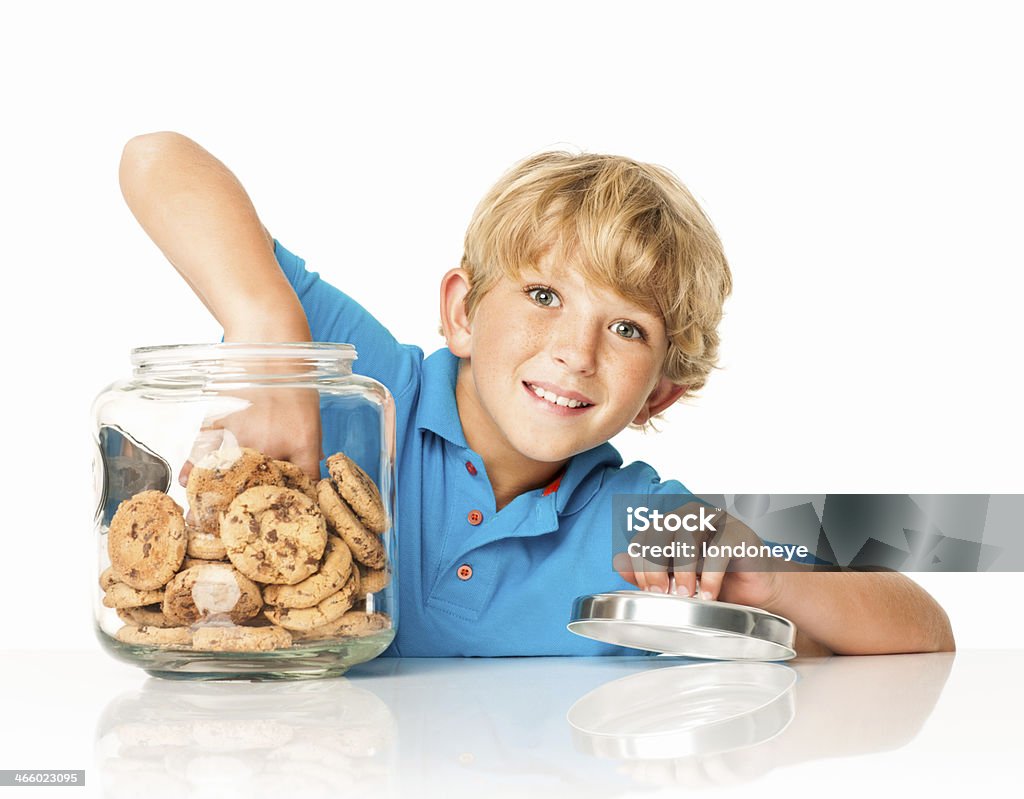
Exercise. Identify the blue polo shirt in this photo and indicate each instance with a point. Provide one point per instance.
(503, 585)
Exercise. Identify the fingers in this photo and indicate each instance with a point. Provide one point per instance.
(732, 532)
(622, 563)
(651, 571)
(308, 450)
(684, 571)
(712, 569)
(308, 462)
(669, 557)
(658, 581)
(663, 559)
(312, 453)
(208, 439)
(711, 583)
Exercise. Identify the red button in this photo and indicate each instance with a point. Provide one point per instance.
(465, 571)
(471, 468)
(475, 517)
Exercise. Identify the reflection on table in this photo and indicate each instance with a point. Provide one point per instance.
(319, 738)
(511, 727)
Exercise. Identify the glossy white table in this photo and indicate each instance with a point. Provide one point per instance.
(525, 727)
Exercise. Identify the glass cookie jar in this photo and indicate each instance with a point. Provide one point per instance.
(245, 512)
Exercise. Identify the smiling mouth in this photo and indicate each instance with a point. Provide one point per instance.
(554, 399)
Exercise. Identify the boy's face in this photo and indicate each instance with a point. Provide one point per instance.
(552, 332)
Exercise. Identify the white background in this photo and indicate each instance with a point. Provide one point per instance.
(862, 164)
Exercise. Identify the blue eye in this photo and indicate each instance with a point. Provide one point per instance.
(627, 330)
(542, 295)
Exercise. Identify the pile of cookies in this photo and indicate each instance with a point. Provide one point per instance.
(264, 559)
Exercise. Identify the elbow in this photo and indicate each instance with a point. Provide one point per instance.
(941, 629)
(149, 143)
(142, 152)
(945, 640)
(933, 631)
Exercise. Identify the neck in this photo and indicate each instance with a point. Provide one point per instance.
(511, 473)
(508, 486)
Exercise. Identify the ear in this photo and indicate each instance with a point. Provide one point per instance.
(455, 322)
(664, 395)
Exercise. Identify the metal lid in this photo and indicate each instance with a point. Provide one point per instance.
(677, 625)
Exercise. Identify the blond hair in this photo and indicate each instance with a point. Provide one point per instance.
(629, 226)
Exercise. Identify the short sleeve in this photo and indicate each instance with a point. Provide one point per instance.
(336, 317)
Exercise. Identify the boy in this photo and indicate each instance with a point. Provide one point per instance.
(587, 300)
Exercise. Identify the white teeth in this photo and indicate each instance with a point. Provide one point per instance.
(551, 396)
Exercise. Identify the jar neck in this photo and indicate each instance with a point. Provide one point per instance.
(249, 362)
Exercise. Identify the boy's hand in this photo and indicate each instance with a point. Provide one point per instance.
(282, 423)
(750, 581)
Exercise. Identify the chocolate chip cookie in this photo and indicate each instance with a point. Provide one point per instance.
(274, 535)
(373, 580)
(206, 546)
(211, 590)
(211, 490)
(109, 577)
(145, 616)
(120, 595)
(359, 491)
(293, 477)
(241, 639)
(323, 612)
(329, 578)
(366, 547)
(154, 636)
(146, 541)
(353, 623)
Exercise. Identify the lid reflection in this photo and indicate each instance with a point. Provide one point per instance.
(685, 710)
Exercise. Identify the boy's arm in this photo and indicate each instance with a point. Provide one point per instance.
(199, 215)
(862, 613)
(201, 218)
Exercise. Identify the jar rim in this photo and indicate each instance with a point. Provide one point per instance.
(165, 354)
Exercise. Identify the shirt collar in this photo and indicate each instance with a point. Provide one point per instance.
(583, 476)
(439, 413)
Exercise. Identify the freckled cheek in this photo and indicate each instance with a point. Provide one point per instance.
(517, 342)
(529, 340)
(639, 381)
(501, 353)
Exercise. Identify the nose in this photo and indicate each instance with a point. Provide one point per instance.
(573, 345)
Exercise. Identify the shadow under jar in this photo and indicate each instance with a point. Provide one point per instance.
(245, 512)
